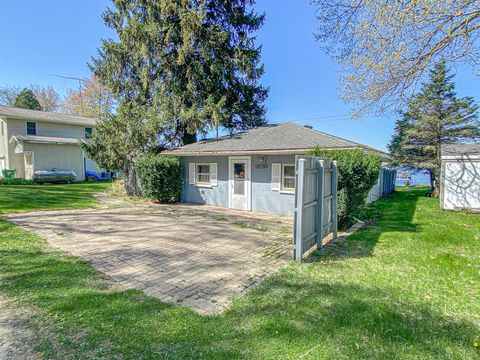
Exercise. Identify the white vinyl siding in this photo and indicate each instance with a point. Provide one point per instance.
(56, 156)
(461, 184)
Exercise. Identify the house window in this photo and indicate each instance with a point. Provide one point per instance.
(31, 128)
(288, 177)
(88, 133)
(203, 173)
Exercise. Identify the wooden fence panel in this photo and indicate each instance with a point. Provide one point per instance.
(315, 203)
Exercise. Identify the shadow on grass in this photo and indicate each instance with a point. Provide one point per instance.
(393, 213)
(285, 317)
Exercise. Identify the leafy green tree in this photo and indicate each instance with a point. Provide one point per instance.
(160, 177)
(121, 139)
(434, 117)
(26, 100)
(186, 67)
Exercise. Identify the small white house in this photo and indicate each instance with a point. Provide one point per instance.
(32, 140)
(460, 177)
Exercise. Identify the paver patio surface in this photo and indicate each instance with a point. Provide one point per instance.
(195, 256)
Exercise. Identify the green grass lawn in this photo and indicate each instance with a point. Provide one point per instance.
(16, 198)
(405, 287)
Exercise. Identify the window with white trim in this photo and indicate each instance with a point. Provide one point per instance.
(203, 174)
(288, 177)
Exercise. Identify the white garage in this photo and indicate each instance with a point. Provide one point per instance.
(460, 177)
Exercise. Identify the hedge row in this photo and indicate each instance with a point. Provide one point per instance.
(357, 173)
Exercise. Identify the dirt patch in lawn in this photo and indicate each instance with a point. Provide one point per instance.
(17, 339)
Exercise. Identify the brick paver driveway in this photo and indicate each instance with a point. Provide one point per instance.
(195, 256)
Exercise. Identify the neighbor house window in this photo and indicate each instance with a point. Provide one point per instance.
(88, 133)
(31, 128)
(288, 177)
(203, 173)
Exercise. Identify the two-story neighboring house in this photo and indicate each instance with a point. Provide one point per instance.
(32, 140)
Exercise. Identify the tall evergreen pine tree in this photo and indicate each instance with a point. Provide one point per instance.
(434, 117)
(26, 100)
(182, 67)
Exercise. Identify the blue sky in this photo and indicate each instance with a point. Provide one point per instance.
(57, 37)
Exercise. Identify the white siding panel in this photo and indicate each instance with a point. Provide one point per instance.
(462, 184)
(91, 165)
(63, 157)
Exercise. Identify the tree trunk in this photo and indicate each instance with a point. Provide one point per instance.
(432, 179)
(131, 183)
(434, 183)
(438, 164)
(184, 136)
(188, 138)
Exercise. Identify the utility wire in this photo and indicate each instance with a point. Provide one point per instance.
(339, 117)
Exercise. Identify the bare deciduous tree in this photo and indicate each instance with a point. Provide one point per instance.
(8, 94)
(93, 100)
(386, 47)
(47, 97)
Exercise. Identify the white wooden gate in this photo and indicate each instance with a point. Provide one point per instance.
(315, 203)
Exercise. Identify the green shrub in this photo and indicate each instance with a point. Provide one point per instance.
(160, 177)
(15, 181)
(357, 173)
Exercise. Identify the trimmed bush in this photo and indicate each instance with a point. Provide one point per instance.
(160, 177)
(15, 181)
(357, 173)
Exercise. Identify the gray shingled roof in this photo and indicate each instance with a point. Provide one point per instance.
(45, 139)
(282, 137)
(461, 149)
(35, 115)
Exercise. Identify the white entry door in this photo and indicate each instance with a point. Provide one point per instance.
(240, 183)
(28, 165)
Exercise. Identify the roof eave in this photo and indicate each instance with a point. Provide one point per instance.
(234, 152)
(31, 141)
(266, 151)
(88, 122)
